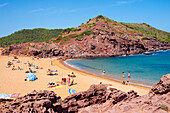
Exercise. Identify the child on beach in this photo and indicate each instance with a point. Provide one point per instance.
(68, 79)
(63, 82)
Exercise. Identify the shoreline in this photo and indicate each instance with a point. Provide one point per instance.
(13, 81)
(104, 77)
(66, 66)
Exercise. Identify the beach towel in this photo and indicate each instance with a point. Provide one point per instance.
(51, 86)
(5, 96)
(52, 74)
(72, 91)
(15, 95)
(57, 87)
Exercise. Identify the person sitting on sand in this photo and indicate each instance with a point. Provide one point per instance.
(73, 75)
(18, 61)
(30, 70)
(125, 83)
(27, 79)
(13, 68)
(18, 68)
(28, 63)
(63, 81)
(56, 70)
(9, 64)
(15, 57)
(49, 71)
(36, 67)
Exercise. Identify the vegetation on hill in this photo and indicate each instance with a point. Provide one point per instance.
(149, 30)
(78, 37)
(27, 35)
(55, 35)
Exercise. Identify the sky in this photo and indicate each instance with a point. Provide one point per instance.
(54, 14)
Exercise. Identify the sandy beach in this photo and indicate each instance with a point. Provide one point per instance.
(12, 81)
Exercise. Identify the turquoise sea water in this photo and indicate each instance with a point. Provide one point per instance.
(144, 69)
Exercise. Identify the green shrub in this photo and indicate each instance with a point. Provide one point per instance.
(149, 30)
(88, 21)
(77, 29)
(79, 38)
(68, 30)
(121, 33)
(72, 36)
(100, 16)
(66, 40)
(94, 36)
(164, 107)
(89, 32)
(144, 38)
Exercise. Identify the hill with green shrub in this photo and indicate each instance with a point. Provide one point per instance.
(148, 30)
(132, 30)
(30, 35)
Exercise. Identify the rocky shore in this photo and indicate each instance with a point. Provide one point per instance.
(113, 48)
(97, 99)
(97, 38)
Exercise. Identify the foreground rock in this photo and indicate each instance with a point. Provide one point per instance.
(97, 99)
(42, 101)
(156, 101)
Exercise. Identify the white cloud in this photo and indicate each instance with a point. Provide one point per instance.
(122, 2)
(125, 2)
(39, 10)
(2, 5)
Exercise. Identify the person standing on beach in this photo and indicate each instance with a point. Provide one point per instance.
(129, 76)
(104, 72)
(123, 75)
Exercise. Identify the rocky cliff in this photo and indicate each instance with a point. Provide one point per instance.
(99, 37)
(97, 99)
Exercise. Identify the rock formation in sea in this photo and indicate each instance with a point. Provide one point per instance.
(97, 99)
(99, 37)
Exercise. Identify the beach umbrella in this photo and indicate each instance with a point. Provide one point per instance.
(31, 76)
(4, 95)
(72, 91)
